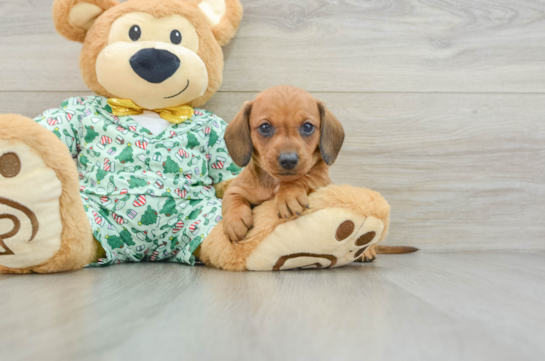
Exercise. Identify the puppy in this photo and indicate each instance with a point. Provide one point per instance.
(287, 140)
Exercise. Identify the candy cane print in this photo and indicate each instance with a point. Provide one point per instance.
(142, 144)
(161, 175)
(220, 163)
(180, 192)
(52, 121)
(98, 219)
(178, 227)
(118, 219)
(193, 228)
(181, 155)
(140, 201)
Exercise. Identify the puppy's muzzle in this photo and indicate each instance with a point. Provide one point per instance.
(288, 161)
(155, 65)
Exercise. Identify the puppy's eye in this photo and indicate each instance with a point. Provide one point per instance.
(135, 33)
(265, 129)
(175, 37)
(307, 129)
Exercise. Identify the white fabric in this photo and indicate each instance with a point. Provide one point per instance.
(152, 122)
(37, 188)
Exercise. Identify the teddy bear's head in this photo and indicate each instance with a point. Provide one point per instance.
(157, 53)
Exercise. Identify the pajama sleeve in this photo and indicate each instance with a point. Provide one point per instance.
(220, 167)
(64, 123)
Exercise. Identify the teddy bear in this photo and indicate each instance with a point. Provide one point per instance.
(136, 173)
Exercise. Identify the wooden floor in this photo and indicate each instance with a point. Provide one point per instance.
(425, 306)
(443, 102)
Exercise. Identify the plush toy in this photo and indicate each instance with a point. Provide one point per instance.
(150, 164)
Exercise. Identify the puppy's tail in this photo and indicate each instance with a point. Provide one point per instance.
(396, 249)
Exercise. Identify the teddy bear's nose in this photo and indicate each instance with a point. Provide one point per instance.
(155, 65)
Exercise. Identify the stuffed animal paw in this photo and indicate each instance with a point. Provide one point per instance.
(43, 227)
(343, 222)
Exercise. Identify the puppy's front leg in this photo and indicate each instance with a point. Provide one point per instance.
(291, 199)
(237, 214)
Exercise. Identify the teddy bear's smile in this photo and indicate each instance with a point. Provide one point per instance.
(187, 86)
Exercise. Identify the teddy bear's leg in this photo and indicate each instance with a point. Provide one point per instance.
(342, 223)
(43, 227)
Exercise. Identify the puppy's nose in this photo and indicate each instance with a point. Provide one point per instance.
(288, 160)
(155, 65)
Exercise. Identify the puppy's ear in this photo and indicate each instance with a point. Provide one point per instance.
(238, 137)
(224, 16)
(331, 135)
(73, 18)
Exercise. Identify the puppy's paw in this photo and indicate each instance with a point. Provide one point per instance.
(237, 223)
(369, 255)
(291, 200)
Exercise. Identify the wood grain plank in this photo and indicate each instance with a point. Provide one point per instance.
(327, 45)
(483, 306)
(461, 171)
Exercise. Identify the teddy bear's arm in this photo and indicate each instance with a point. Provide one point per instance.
(221, 167)
(64, 124)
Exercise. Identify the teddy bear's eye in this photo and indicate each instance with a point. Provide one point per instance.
(175, 37)
(135, 33)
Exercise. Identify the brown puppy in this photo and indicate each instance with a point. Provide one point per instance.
(287, 140)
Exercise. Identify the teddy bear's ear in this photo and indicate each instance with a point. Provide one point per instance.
(73, 18)
(224, 16)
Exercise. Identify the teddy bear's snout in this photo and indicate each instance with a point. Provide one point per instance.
(155, 65)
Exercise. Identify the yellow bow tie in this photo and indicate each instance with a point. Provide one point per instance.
(125, 107)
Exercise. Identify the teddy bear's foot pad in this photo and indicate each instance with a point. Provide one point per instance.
(327, 238)
(30, 223)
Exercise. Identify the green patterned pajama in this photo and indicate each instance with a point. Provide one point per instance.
(147, 197)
